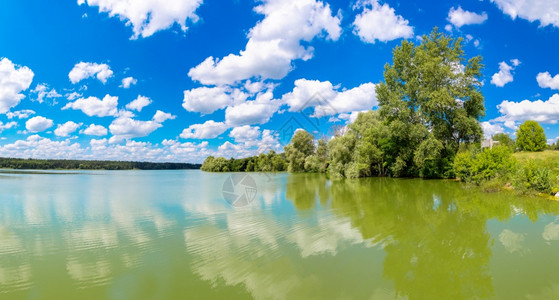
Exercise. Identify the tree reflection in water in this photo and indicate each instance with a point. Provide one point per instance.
(434, 232)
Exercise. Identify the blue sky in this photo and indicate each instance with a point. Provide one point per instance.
(179, 80)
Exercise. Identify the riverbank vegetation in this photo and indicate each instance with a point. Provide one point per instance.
(427, 125)
(62, 164)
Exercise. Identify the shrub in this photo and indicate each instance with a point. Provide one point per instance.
(530, 176)
(479, 167)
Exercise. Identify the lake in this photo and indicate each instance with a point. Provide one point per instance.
(196, 235)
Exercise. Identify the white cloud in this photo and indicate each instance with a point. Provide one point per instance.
(328, 99)
(380, 22)
(37, 147)
(257, 111)
(7, 125)
(273, 43)
(459, 17)
(93, 106)
(14, 79)
(161, 117)
(124, 128)
(172, 151)
(208, 130)
(504, 75)
(139, 103)
(544, 11)
(84, 70)
(245, 133)
(73, 96)
(43, 92)
(20, 114)
(206, 100)
(38, 124)
(128, 81)
(546, 81)
(541, 111)
(96, 130)
(149, 16)
(66, 129)
(490, 129)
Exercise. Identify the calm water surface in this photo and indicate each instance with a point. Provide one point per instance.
(171, 235)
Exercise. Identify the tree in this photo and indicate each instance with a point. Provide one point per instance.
(504, 140)
(433, 86)
(298, 150)
(530, 137)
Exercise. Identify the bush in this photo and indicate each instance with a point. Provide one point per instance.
(530, 176)
(486, 165)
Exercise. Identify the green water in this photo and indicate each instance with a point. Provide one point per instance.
(171, 235)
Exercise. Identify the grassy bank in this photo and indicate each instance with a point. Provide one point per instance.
(548, 158)
(497, 169)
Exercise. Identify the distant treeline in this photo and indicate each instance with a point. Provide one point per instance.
(50, 164)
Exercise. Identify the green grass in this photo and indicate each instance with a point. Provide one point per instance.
(548, 158)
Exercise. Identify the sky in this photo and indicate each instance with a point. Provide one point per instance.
(179, 80)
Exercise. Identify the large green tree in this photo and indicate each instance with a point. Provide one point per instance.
(301, 146)
(431, 86)
(530, 137)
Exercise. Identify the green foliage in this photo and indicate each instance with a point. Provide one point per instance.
(531, 137)
(504, 140)
(485, 165)
(270, 162)
(431, 88)
(341, 154)
(530, 176)
(298, 150)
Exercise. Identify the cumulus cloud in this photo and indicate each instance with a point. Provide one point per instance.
(544, 11)
(380, 22)
(149, 16)
(20, 114)
(206, 100)
(38, 147)
(14, 79)
(93, 106)
(161, 117)
(171, 151)
(66, 129)
(84, 70)
(43, 92)
(128, 81)
(124, 128)
(273, 43)
(267, 141)
(97, 130)
(459, 17)
(245, 133)
(38, 124)
(504, 75)
(139, 103)
(546, 81)
(8, 125)
(208, 130)
(490, 129)
(257, 111)
(73, 96)
(328, 99)
(539, 110)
